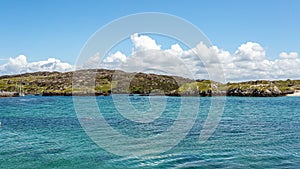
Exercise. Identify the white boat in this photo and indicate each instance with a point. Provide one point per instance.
(13, 94)
(21, 93)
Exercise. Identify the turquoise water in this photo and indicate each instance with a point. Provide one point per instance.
(44, 132)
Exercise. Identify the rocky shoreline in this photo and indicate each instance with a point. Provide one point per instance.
(9, 94)
(234, 93)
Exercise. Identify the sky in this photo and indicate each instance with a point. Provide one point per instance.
(34, 33)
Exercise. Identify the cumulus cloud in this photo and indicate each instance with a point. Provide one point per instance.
(19, 64)
(91, 63)
(248, 62)
(143, 42)
(291, 55)
(116, 57)
(147, 56)
(250, 51)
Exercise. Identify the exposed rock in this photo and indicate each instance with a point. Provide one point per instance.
(104, 82)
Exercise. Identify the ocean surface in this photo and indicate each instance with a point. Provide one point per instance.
(44, 132)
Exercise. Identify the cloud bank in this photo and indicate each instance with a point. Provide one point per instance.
(248, 62)
(19, 64)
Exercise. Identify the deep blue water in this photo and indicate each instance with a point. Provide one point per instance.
(44, 132)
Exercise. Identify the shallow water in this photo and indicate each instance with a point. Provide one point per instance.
(44, 132)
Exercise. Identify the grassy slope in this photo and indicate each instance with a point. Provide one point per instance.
(140, 83)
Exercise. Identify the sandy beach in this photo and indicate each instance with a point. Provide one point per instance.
(296, 93)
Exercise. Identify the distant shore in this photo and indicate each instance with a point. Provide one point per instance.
(99, 82)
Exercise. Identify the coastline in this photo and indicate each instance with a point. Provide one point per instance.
(81, 83)
(145, 95)
(296, 93)
(9, 94)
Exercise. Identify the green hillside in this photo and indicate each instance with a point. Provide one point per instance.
(104, 82)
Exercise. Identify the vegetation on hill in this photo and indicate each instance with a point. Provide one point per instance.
(104, 82)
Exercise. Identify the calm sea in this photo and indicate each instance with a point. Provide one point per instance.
(44, 132)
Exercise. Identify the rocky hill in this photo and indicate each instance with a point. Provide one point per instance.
(105, 82)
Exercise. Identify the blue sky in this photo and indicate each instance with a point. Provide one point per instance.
(256, 38)
(59, 28)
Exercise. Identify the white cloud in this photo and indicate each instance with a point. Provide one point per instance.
(143, 42)
(291, 55)
(90, 63)
(248, 62)
(156, 61)
(175, 50)
(173, 61)
(250, 51)
(19, 64)
(116, 57)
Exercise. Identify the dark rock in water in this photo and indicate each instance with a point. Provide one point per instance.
(74, 94)
(254, 92)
